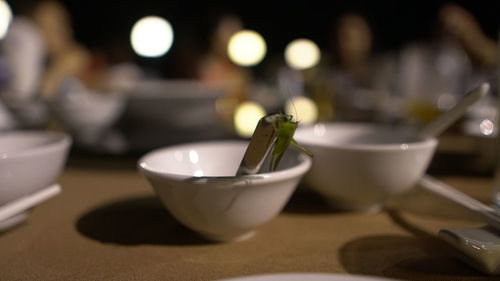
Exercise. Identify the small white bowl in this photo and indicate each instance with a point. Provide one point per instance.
(30, 161)
(197, 185)
(86, 113)
(358, 166)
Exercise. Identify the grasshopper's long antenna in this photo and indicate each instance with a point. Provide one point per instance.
(293, 105)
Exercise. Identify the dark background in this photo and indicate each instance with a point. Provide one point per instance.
(105, 25)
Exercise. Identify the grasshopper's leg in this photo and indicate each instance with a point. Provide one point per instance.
(301, 148)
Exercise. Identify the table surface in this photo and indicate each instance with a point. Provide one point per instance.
(108, 225)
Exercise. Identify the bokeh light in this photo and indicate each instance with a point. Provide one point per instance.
(152, 36)
(246, 48)
(5, 18)
(303, 109)
(246, 117)
(302, 54)
(487, 127)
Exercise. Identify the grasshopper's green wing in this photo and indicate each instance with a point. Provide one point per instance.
(285, 130)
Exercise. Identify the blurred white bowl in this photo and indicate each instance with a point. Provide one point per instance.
(196, 183)
(85, 113)
(357, 166)
(166, 112)
(30, 161)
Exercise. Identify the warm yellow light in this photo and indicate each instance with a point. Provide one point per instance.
(5, 18)
(303, 109)
(302, 54)
(246, 117)
(151, 36)
(246, 48)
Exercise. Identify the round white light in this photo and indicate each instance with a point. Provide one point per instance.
(302, 54)
(151, 36)
(487, 127)
(246, 117)
(303, 109)
(5, 18)
(246, 48)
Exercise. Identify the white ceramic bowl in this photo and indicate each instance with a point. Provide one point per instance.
(167, 112)
(87, 114)
(358, 166)
(197, 185)
(30, 161)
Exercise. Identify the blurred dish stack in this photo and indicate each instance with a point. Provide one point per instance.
(167, 112)
(144, 115)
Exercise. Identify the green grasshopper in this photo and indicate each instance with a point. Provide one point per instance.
(285, 129)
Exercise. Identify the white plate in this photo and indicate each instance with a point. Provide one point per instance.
(12, 213)
(308, 277)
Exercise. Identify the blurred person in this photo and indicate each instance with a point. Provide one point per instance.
(460, 23)
(86, 90)
(432, 76)
(65, 56)
(109, 69)
(23, 51)
(217, 71)
(353, 44)
(217, 66)
(353, 65)
(482, 52)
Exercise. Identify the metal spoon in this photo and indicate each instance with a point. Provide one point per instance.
(446, 191)
(442, 122)
(260, 144)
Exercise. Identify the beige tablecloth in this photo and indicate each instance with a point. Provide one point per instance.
(107, 225)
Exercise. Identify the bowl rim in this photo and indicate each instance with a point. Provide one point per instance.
(297, 170)
(409, 145)
(61, 140)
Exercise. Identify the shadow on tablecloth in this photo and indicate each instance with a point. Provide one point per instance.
(135, 221)
(407, 258)
(306, 201)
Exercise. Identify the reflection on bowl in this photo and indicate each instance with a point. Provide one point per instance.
(196, 183)
(357, 166)
(30, 161)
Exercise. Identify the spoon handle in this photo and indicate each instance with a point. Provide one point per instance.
(437, 187)
(22, 204)
(444, 120)
(259, 146)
